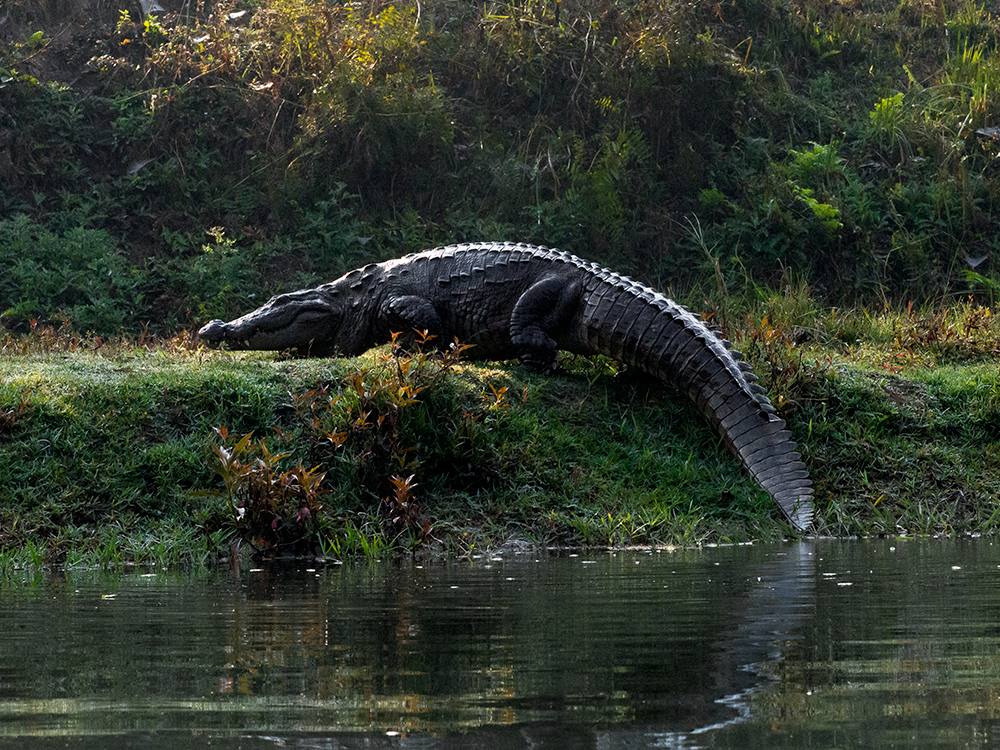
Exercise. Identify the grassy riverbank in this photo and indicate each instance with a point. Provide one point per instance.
(111, 451)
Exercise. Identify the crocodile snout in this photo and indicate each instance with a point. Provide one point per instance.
(214, 332)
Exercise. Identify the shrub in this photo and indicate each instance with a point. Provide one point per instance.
(79, 273)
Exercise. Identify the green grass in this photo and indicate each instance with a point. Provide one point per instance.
(107, 455)
(107, 458)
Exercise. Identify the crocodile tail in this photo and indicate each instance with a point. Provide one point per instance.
(637, 325)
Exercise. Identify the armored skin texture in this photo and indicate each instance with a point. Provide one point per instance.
(513, 300)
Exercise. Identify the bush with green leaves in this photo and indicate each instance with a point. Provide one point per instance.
(80, 274)
(853, 145)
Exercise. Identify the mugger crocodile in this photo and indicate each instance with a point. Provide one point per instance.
(514, 300)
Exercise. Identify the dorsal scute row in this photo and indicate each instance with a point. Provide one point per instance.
(506, 252)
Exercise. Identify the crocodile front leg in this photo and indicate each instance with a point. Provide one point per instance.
(542, 310)
(408, 314)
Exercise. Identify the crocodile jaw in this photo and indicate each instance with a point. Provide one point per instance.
(290, 321)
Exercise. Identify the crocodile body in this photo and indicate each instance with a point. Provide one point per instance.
(512, 300)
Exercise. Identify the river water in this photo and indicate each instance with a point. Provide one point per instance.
(824, 644)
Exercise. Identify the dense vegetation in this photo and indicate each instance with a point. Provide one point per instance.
(163, 168)
(819, 178)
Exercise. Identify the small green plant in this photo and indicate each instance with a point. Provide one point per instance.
(224, 276)
(820, 166)
(886, 125)
(37, 40)
(125, 23)
(153, 34)
(828, 215)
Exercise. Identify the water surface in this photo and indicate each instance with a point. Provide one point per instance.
(823, 644)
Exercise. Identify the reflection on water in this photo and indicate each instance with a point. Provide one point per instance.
(826, 644)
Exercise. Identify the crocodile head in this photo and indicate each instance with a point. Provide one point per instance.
(307, 322)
